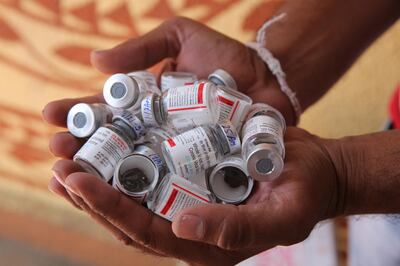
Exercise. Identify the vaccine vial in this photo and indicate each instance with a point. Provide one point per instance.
(176, 79)
(84, 119)
(234, 106)
(223, 78)
(263, 148)
(109, 144)
(156, 136)
(182, 107)
(127, 90)
(174, 194)
(229, 180)
(136, 175)
(192, 152)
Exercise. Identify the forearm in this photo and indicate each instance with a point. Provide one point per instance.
(368, 172)
(319, 40)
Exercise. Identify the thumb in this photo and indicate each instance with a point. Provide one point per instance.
(239, 227)
(142, 52)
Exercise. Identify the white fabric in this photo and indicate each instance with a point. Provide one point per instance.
(274, 64)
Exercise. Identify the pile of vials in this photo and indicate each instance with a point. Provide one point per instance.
(192, 142)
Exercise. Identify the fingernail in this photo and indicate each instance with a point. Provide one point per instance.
(71, 187)
(190, 227)
(57, 175)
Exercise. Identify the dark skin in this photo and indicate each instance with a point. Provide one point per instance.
(321, 179)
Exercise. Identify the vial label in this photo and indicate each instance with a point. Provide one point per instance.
(188, 106)
(232, 108)
(191, 152)
(103, 150)
(262, 124)
(179, 198)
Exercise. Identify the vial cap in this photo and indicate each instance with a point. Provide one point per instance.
(229, 181)
(231, 136)
(265, 108)
(147, 108)
(126, 177)
(132, 121)
(265, 163)
(82, 121)
(221, 77)
(120, 91)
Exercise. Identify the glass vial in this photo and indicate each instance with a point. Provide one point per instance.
(223, 78)
(156, 136)
(234, 106)
(182, 108)
(229, 180)
(176, 79)
(84, 119)
(192, 152)
(127, 90)
(111, 142)
(263, 148)
(136, 175)
(174, 194)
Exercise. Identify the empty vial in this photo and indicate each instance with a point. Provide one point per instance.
(229, 180)
(146, 150)
(174, 194)
(176, 79)
(127, 90)
(84, 119)
(223, 78)
(182, 108)
(111, 142)
(136, 175)
(263, 147)
(192, 152)
(234, 106)
(156, 136)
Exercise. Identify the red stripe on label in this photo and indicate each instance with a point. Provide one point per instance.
(188, 83)
(191, 193)
(171, 142)
(234, 110)
(200, 93)
(187, 108)
(225, 100)
(169, 202)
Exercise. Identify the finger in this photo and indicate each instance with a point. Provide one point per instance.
(58, 189)
(65, 145)
(144, 51)
(150, 230)
(61, 170)
(56, 112)
(239, 227)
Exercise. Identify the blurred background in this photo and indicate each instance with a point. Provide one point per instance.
(44, 55)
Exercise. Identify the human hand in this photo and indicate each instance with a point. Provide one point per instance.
(191, 46)
(282, 212)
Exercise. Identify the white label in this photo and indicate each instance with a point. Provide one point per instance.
(103, 150)
(179, 198)
(191, 152)
(189, 106)
(174, 80)
(232, 108)
(262, 124)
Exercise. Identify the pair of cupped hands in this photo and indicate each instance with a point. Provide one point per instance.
(282, 212)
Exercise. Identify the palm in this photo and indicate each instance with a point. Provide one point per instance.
(289, 207)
